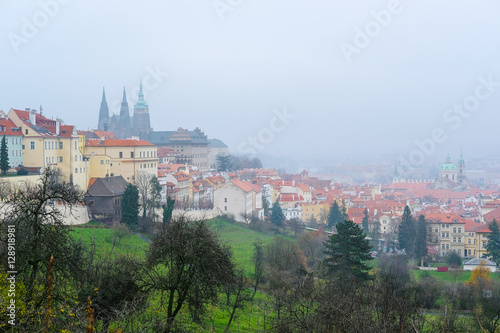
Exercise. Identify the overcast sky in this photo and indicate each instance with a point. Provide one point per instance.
(308, 79)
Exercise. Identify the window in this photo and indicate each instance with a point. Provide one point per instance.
(436, 229)
(76, 158)
(32, 145)
(460, 239)
(26, 131)
(107, 162)
(91, 202)
(60, 145)
(225, 208)
(76, 170)
(120, 154)
(469, 241)
(459, 230)
(102, 161)
(447, 246)
(131, 154)
(76, 145)
(454, 239)
(454, 230)
(225, 199)
(45, 145)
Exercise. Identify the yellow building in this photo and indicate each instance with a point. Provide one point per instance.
(126, 158)
(320, 212)
(481, 240)
(51, 142)
(448, 231)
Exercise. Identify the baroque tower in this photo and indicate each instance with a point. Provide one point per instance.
(103, 124)
(461, 169)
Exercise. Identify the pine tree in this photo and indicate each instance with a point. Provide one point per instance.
(493, 245)
(347, 252)
(335, 215)
(421, 239)
(223, 163)
(4, 157)
(407, 232)
(345, 216)
(168, 210)
(130, 207)
(265, 206)
(365, 221)
(277, 216)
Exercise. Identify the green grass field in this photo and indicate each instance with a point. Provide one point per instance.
(450, 276)
(241, 241)
(103, 239)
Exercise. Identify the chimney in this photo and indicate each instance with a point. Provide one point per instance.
(58, 127)
(33, 117)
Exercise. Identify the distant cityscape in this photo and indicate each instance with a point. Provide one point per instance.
(458, 201)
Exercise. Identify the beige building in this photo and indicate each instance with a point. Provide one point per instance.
(192, 146)
(51, 142)
(238, 198)
(126, 158)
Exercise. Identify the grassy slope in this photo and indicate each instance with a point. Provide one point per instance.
(103, 240)
(241, 241)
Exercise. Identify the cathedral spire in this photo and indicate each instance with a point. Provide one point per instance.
(124, 112)
(103, 113)
(141, 103)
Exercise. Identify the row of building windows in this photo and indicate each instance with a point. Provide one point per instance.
(82, 170)
(455, 230)
(148, 165)
(16, 152)
(49, 160)
(14, 141)
(49, 145)
(145, 154)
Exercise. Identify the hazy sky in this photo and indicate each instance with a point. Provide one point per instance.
(333, 79)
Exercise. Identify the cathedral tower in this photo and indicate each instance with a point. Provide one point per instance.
(103, 124)
(124, 114)
(141, 114)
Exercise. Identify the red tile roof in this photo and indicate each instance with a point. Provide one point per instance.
(444, 218)
(493, 215)
(245, 186)
(290, 197)
(8, 128)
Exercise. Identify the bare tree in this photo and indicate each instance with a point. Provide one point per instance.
(187, 265)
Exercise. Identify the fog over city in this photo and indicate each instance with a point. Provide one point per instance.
(301, 80)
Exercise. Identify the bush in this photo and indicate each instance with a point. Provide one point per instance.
(22, 172)
(453, 259)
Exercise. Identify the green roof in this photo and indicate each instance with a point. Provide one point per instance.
(141, 103)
